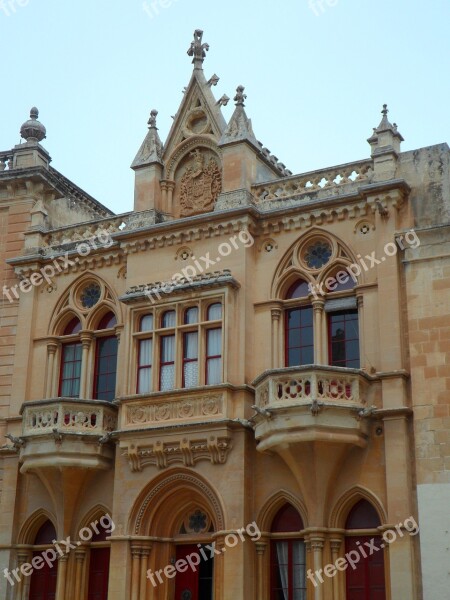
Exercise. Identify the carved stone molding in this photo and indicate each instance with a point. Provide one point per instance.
(186, 451)
(235, 199)
(147, 413)
(183, 479)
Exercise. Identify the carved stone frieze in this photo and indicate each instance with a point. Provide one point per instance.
(186, 451)
(156, 412)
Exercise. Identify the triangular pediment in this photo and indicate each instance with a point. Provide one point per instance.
(198, 115)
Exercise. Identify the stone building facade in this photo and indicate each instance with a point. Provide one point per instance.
(251, 367)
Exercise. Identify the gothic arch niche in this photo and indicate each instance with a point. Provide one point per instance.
(71, 303)
(275, 503)
(196, 169)
(33, 524)
(162, 506)
(314, 253)
(348, 500)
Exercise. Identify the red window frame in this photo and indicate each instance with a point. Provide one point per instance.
(142, 367)
(288, 329)
(107, 392)
(210, 357)
(166, 363)
(349, 336)
(64, 362)
(188, 360)
(274, 569)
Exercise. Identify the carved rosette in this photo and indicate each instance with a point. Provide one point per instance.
(199, 183)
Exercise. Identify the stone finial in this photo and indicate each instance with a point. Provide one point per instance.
(32, 130)
(240, 96)
(152, 119)
(197, 49)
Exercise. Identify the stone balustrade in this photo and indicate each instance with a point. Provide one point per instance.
(6, 161)
(328, 180)
(67, 415)
(306, 384)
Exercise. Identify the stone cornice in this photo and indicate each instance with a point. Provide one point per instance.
(293, 214)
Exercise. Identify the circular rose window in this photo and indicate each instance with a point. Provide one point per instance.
(317, 254)
(90, 295)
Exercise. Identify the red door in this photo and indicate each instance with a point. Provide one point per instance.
(98, 574)
(196, 585)
(366, 581)
(43, 581)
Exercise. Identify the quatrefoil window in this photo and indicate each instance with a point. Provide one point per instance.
(90, 295)
(317, 254)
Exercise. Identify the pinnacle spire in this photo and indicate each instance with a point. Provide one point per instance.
(151, 149)
(198, 49)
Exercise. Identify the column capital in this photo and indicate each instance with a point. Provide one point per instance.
(52, 345)
(86, 338)
(276, 313)
(260, 547)
(318, 304)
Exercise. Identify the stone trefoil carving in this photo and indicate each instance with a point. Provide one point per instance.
(201, 184)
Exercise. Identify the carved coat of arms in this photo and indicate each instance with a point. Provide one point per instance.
(200, 185)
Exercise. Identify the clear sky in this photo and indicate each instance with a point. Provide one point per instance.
(316, 73)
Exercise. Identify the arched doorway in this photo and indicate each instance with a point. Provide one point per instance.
(43, 580)
(198, 584)
(367, 580)
(287, 556)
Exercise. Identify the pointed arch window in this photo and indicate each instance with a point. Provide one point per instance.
(43, 581)
(106, 359)
(287, 556)
(367, 580)
(299, 333)
(71, 357)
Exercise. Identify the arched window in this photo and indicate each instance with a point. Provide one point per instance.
(288, 556)
(299, 334)
(105, 359)
(366, 581)
(43, 580)
(71, 353)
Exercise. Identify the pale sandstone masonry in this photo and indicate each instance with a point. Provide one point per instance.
(321, 437)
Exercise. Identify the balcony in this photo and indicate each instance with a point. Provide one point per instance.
(66, 432)
(313, 404)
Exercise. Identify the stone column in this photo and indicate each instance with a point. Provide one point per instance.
(260, 571)
(170, 190)
(317, 544)
(164, 195)
(336, 544)
(276, 315)
(51, 351)
(62, 577)
(219, 569)
(86, 341)
(135, 570)
(80, 556)
(362, 353)
(23, 556)
(319, 342)
(145, 553)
